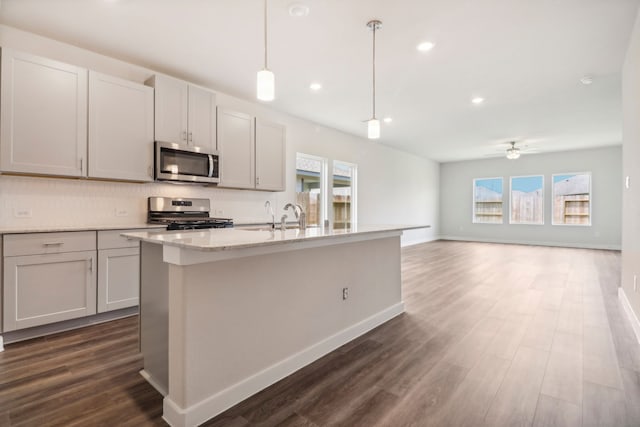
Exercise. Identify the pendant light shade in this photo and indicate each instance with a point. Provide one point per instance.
(373, 124)
(266, 81)
(266, 85)
(373, 129)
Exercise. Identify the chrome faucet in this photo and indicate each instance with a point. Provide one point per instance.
(295, 212)
(301, 217)
(302, 220)
(269, 209)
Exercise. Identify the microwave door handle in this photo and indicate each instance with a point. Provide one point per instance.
(210, 166)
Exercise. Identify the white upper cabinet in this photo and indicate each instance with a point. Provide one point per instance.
(270, 156)
(236, 144)
(171, 103)
(184, 113)
(43, 116)
(120, 129)
(252, 152)
(202, 118)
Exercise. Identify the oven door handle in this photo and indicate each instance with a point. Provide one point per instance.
(210, 165)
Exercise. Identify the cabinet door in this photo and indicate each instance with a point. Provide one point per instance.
(270, 156)
(171, 102)
(118, 278)
(236, 146)
(202, 118)
(120, 129)
(40, 289)
(43, 116)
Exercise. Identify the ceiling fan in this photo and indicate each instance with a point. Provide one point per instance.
(512, 151)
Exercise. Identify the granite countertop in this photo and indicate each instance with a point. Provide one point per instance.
(56, 228)
(63, 228)
(232, 238)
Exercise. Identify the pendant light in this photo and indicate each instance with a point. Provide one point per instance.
(266, 80)
(373, 124)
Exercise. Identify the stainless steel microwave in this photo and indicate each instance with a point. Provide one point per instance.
(175, 162)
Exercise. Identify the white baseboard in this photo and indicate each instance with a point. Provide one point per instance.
(155, 384)
(633, 318)
(615, 247)
(218, 403)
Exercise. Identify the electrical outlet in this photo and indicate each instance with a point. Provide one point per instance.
(345, 293)
(219, 212)
(23, 212)
(635, 283)
(121, 212)
(627, 182)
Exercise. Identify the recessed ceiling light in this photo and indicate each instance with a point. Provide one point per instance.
(425, 46)
(315, 86)
(477, 100)
(387, 119)
(586, 80)
(298, 10)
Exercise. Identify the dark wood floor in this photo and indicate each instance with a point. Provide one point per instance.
(493, 335)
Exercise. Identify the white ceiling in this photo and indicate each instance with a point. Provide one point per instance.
(525, 57)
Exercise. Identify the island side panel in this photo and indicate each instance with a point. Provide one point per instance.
(154, 316)
(241, 324)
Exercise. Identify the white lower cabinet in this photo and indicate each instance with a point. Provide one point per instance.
(49, 286)
(118, 271)
(51, 277)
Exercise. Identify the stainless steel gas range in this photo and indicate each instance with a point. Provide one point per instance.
(183, 214)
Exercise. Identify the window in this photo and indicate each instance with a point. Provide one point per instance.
(527, 200)
(311, 185)
(572, 199)
(487, 201)
(344, 194)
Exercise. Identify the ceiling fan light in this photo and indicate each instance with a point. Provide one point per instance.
(266, 85)
(373, 129)
(513, 153)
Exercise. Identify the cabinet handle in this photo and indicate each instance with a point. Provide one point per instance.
(81, 164)
(90, 265)
(150, 171)
(257, 180)
(190, 136)
(53, 244)
(184, 135)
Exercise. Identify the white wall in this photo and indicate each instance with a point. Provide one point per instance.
(456, 199)
(393, 187)
(631, 168)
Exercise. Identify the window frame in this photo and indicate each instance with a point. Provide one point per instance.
(473, 200)
(324, 185)
(354, 190)
(511, 200)
(553, 199)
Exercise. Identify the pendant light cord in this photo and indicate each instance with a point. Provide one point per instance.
(374, 70)
(265, 35)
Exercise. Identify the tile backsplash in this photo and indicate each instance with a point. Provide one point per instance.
(34, 202)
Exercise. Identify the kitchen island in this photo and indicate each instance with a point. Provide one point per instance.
(224, 313)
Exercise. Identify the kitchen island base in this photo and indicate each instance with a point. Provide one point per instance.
(219, 326)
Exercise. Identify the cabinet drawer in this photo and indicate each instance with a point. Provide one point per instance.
(112, 239)
(49, 243)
